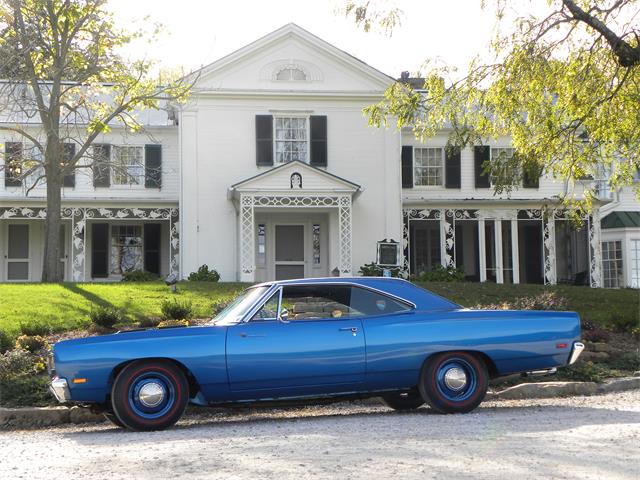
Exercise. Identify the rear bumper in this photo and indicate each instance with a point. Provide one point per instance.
(60, 390)
(576, 350)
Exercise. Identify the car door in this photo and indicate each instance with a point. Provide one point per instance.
(320, 350)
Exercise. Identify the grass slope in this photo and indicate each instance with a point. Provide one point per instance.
(67, 305)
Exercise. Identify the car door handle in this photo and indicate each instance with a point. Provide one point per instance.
(246, 335)
(353, 330)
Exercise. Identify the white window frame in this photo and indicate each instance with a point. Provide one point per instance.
(634, 268)
(112, 166)
(613, 282)
(111, 244)
(275, 138)
(415, 167)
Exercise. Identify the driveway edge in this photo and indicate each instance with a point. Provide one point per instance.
(42, 417)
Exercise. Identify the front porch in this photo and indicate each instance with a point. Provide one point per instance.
(96, 243)
(510, 245)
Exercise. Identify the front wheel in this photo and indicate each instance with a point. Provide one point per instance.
(149, 395)
(454, 382)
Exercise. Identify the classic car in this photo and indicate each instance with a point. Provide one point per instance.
(329, 338)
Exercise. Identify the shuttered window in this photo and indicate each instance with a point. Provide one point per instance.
(264, 140)
(13, 164)
(407, 166)
(481, 154)
(452, 168)
(101, 165)
(153, 166)
(68, 152)
(318, 150)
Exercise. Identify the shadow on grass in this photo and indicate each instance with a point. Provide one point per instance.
(91, 297)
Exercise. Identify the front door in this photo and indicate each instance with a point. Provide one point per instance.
(320, 348)
(289, 252)
(17, 253)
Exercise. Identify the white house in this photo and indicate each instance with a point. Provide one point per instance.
(271, 171)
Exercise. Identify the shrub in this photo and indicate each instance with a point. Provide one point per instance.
(623, 324)
(204, 275)
(442, 274)
(139, 276)
(148, 322)
(105, 317)
(629, 361)
(592, 332)
(20, 384)
(374, 270)
(36, 328)
(585, 372)
(542, 301)
(176, 310)
(7, 341)
(32, 344)
(173, 323)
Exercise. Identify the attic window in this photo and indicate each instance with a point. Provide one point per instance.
(291, 74)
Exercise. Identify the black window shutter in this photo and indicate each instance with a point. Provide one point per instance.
(452, 168)
(68, 152)
(318, 127)
(101, 168)
(152, 247)
(481, 155)
(264, 140)
(407, 167)
(531, 178)
(153, 166)
(12, 164)
(99, 250)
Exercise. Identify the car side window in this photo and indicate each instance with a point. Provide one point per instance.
(269, 310)
(369, 302)
(314, 302)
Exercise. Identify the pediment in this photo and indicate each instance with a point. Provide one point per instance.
(319, 66)
(295, 178)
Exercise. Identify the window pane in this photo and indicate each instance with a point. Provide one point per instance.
(291, 139)
(428, 166)
(18, 270)
(126, 248)
(269, 310)
(316, 302)
(368, 302)
(128, 165)
(18, 241)
(612, 264)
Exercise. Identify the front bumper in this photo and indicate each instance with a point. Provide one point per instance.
(60, 390)
(576, 350)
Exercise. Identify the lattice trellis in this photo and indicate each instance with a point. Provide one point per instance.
(249, 202)
(595, 270)
(79, 217)
(549, 245)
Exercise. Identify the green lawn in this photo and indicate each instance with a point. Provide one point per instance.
(67, 305)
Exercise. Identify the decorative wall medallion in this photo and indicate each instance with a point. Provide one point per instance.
(296, 180)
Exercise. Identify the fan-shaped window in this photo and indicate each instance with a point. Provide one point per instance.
(291, 73)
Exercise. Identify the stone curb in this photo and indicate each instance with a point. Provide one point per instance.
(41, 417)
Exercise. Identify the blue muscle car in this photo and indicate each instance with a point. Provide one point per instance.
(312, 338)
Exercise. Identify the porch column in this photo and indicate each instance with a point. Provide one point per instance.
(78, 250)
(498, 251)
(174, 240)
(595, 250)
(515, 253)
(247, 239)
(549, 241)
(345, 235)
(447, 239)
(482, 251)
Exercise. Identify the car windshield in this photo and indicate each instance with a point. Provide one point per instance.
(239, 307)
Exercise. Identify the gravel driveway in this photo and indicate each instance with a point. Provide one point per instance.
(580, 437)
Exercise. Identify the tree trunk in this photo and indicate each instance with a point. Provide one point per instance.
(51, 271)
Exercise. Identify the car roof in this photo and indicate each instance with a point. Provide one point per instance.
(423, 299)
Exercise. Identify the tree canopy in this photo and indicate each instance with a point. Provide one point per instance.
(65, 79)
(564, 85)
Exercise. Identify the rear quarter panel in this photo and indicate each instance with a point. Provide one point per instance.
(515, 341)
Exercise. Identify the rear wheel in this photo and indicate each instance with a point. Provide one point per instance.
(149, 395)
(403, 400)
(113, 419)
(454, 382)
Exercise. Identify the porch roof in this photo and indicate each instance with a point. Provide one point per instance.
(621, 220)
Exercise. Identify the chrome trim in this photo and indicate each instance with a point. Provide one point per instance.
(546, 371)
(577, 349)
(60, 389)
(274, 286)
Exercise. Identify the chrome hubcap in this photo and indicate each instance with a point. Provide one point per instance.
(455, 378)
(151, 394)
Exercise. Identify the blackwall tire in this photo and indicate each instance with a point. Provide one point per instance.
(149, 395)
(454, 382)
